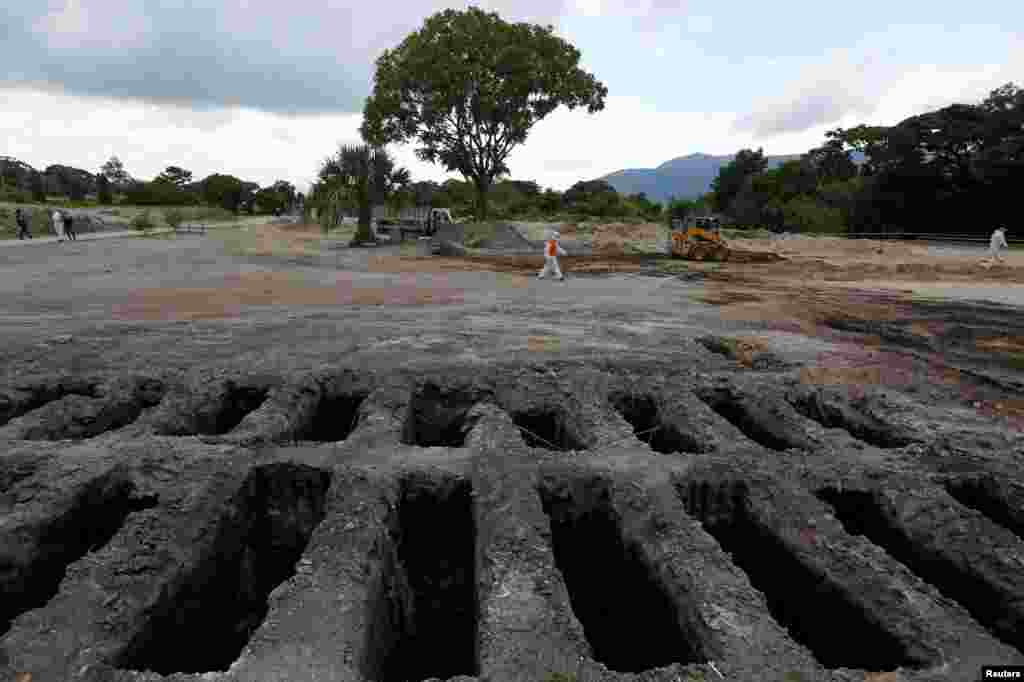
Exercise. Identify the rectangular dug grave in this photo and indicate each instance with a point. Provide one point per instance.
(834, 412)
(237, 402)
(438, 417)
(816, 612)
(335, 418)
(641, 411)
(982, 494)
(207, 618)
(547, 429)
(424, 622)
(756, 422)
(95, 516)
(630, 622)
(16, 402)
(862, 514)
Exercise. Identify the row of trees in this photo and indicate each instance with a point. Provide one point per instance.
(175, 186)
(359, 177)
(949, 170)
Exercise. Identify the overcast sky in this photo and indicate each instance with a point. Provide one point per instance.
(265, 89)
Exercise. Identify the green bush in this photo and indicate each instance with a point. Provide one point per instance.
(174, 217)
(143, 221)
(15, 195)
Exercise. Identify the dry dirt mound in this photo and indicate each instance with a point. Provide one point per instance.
(613, 238)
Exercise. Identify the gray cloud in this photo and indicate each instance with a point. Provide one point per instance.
(823, 94)
(298, 57)
(806, 111)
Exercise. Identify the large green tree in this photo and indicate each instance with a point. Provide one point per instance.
(114, 171)
(735, 175)
(174, 175)
(226, 191)
(468, 86)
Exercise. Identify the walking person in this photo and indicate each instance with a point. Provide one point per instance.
(58, 224)
(552, 250)
(997, 242)
(22, 219)
(69, 226)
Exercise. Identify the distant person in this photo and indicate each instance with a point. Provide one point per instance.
(58, 224)
(69, 226)
(997, 242)
(552, 250)
(22, 219)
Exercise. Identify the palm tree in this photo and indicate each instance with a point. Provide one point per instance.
(357, 176)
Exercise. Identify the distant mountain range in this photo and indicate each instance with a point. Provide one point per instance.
(685, 177)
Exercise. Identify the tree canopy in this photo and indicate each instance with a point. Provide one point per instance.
(952, 169)
(360, 177)
(468, 87)
(174, 175)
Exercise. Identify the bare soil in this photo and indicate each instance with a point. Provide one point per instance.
(262, 455)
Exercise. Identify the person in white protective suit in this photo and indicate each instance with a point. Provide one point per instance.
(58, 224)
(997, 242)
(552, 250)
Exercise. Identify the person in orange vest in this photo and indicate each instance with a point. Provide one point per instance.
(552, 250)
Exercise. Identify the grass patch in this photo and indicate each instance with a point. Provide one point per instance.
(672, 265)
(270, 240)
(475, 234)
(754, 233)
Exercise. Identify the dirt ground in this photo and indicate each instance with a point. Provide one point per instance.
(228, 457)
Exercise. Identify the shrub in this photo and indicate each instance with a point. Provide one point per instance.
(143, 221)
(174, 217)
(15, 195)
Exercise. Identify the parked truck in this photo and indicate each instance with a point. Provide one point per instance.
(421, 220)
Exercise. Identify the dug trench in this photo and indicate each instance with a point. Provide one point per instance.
(29, 579)
(610, 584)
(799, 597)
(644, 415)
(416, 591)
(973, 584)
(206, 619)
(32, 395)
(77, 416)
(424, 622)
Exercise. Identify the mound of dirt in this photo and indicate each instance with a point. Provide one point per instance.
(613, 238)
(500, 236)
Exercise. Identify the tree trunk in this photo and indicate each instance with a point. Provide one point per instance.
(483, 185)
(363, 233)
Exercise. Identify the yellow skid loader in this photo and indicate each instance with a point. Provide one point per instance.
(699, 239)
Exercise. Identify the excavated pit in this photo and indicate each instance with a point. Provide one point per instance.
(844, 416)
(95, 516)
(817, 613)
(424, 621)
(26, 399)
(630, 622)
(79, 418)
(546, 429)
(981, 495)
(438, 417)
(238, 402)
(860, 514)
(207, 617)
(335, 418)
(742, 417)
(643, 415)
